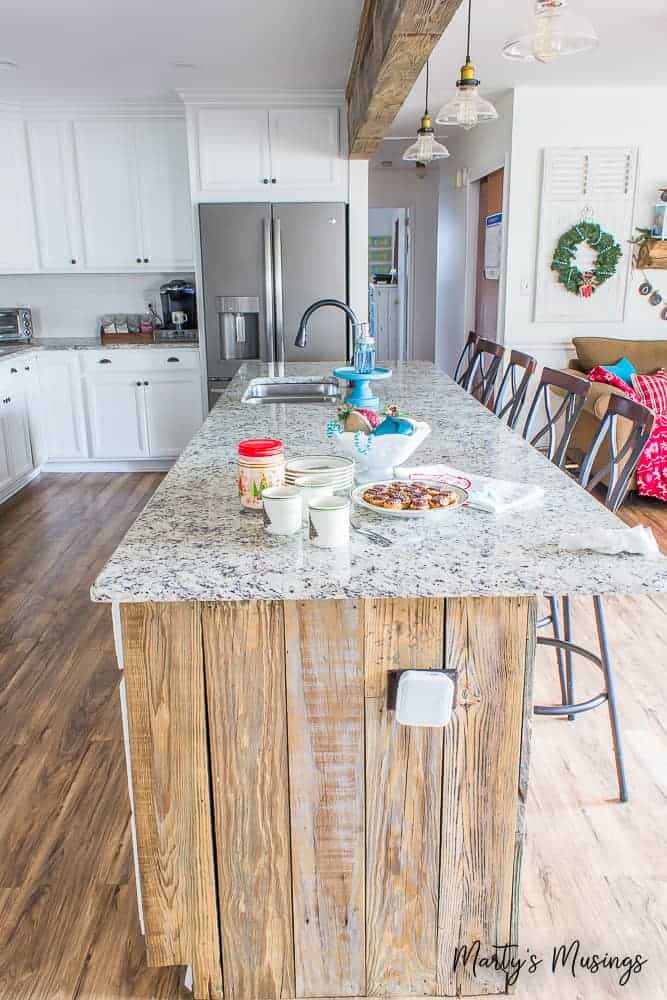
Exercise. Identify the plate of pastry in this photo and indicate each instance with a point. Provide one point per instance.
(403, 498)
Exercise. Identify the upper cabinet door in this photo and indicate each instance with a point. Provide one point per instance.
(164, 193)
(57, 203)
(304, 148)
(18, 246)
(107, 164)
(233, 146)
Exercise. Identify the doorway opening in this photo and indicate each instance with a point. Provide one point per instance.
(389, 280)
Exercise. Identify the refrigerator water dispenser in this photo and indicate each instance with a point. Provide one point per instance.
(238, 327)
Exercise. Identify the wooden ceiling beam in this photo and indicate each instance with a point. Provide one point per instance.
(394, 40)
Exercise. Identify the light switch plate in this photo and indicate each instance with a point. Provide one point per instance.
(424, 698)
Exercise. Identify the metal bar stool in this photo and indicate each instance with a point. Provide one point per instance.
(614, 471)
(464, 361)
(513, 387)
(560, 422)
(480, 378)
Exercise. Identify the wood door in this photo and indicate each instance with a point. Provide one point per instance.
(106, 160)
(486, 298)
(116, 416)
(304, 148)
(234, 149)
(173, 413)
(164, 193)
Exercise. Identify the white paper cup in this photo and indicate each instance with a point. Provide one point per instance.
(329, 522)
(282, 509)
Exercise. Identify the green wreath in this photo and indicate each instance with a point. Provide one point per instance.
(608, 255)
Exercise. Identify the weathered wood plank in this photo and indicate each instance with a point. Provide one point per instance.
(487, 643)
(403, 795)
(325, 705)
(245, 678)
(164, 674)
(394, 40)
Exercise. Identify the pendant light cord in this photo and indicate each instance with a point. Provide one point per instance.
(468, 42)
(426, 104)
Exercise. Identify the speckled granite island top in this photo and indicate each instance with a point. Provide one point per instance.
(192, 542)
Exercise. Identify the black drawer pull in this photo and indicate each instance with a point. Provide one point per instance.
(104, 361)
(145, 383)
(138, 383)
(171, 360)
(7, 399)
(13, 371)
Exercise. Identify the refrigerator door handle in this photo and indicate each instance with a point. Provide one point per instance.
(278, 270)
(268, 293)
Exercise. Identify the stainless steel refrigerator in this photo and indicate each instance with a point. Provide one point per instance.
(262, 266)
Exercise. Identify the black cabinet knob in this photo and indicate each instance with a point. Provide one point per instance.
(73, 261)
(27, 368)
(145, 260)
(138, 383)
(145, 383)
(13, 371)
(266, 180)
(273, 180)
(138, 260)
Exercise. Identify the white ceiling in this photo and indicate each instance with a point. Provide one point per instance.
(126, 47)
(633, 39)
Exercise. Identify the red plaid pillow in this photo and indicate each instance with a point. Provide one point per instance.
(600, 374)
(652, 391)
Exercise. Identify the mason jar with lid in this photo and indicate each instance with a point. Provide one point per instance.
(261, 464)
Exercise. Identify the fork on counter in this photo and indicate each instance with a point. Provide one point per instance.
(372, 536)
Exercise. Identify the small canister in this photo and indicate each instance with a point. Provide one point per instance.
(261, 464)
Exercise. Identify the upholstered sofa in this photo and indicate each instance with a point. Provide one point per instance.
(646, 355)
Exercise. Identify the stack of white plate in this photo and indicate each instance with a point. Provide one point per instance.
(326, 470)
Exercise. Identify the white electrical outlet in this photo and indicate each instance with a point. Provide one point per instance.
(424, 698)
(524, 287)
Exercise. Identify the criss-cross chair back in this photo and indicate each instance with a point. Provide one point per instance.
(480, 379)
(553, 436)
(617, 472)
(465, 360)
(513, 387)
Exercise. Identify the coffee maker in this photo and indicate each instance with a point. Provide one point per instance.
(179, 305)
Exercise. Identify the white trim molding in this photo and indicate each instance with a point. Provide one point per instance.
(264, 98)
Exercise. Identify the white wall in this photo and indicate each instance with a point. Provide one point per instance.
(358, 238)
(400, 187)
(615, 116)
(480, 151)
(71, 305)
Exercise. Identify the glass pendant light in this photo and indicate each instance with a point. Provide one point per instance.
(467, 108)
(555, 32)
(426, 147)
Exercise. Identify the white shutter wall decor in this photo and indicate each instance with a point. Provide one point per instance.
(598, 185)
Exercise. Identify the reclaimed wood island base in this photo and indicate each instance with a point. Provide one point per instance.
(293, 839)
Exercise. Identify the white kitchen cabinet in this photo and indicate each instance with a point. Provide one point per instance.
(18, 246)
(166, 212)
(134, 194)
(56, 192)
(116, 419)
(15, 451)
(106, 162)
(234, 152)
(304, 148)
(173, 412)
(61, 406)
(267, 154)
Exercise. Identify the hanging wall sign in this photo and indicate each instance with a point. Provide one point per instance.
(493, 241)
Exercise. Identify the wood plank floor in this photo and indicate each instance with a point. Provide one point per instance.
(594, 870)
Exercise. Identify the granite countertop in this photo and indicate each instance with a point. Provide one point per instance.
(86, 344)
(192, 542)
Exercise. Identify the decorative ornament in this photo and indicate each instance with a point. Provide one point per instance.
(645, 288)
(608, 255)
(656, 298)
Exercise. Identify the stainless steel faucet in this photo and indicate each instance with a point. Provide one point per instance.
(302, 335)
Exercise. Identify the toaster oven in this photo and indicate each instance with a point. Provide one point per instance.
(15, 326)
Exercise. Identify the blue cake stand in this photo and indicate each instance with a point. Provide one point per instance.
(361, 395)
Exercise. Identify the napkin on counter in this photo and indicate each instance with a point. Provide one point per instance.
(613, 541)
(496, 496)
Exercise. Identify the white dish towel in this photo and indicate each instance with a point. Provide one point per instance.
(495, 496)
(638, 541)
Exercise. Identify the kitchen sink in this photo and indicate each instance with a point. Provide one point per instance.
(279, 390)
